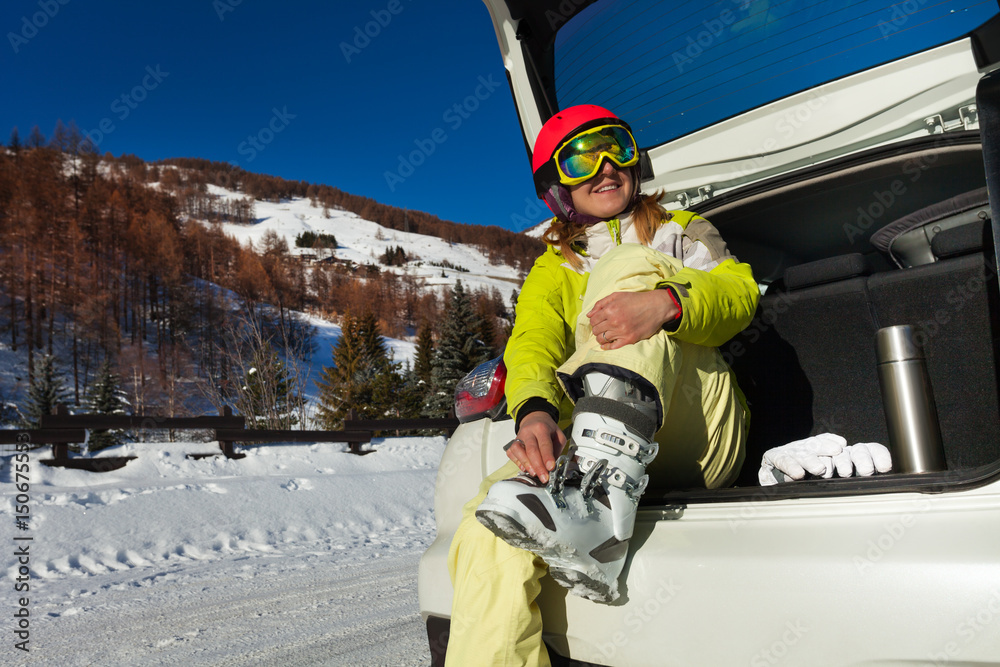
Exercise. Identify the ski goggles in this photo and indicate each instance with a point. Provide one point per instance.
(579, 159)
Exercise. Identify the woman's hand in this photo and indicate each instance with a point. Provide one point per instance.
(624, 318)
(537, 445)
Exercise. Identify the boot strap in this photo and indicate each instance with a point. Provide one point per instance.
(638, 449)
(616, 477)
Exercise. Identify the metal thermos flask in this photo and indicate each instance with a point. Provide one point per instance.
(910, 414)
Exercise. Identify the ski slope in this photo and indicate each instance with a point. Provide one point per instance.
(364, 241)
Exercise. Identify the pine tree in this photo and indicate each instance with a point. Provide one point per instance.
(362, 377)
(485, 346)
(380, 377)
(105, 397)
(417, 379)
(412, 393)
(388, 399)
(458, 352)
(394, 256)
(370, 335)
(424, 358)
(46, 391)
(334, 386)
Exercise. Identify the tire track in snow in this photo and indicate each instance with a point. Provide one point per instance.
(299, 608)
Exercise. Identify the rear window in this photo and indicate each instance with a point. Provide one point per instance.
(730, 56)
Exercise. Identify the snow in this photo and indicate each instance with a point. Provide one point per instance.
(364, 241)
(296, 554)
(538, 231)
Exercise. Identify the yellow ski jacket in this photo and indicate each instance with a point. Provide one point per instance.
(717, 293)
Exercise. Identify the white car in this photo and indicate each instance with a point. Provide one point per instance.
(843, 150)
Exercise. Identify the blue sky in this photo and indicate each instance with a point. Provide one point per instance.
(326, 92)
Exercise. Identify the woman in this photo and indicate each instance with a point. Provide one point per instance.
(621, 316)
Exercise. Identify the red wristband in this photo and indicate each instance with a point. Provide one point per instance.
(673, 297)
(672, 325)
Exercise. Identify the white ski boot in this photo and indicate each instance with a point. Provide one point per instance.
(580, 522)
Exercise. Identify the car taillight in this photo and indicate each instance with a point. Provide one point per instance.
(480, 390)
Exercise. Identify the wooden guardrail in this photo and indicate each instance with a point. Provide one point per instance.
(63, 420)
(42, 436)
(61, 439)
(356, 432)
(354, 439)
(63, 429)
(443, 423)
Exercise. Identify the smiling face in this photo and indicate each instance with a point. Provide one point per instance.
(606, 195)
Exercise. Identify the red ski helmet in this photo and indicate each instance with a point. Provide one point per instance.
(556, 130)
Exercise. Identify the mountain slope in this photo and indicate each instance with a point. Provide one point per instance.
(364, 242)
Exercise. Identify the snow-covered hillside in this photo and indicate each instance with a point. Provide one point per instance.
(363, 242)
(538, 231)
(293, 555)
(431, 263)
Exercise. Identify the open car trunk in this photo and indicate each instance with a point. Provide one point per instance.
(829, 150)
(808, 364)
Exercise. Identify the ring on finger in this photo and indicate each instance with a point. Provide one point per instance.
(605, 336)
(511, 443)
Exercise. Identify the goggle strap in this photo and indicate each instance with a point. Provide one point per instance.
(546, 176)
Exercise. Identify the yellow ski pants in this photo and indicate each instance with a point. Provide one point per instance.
(495, 618)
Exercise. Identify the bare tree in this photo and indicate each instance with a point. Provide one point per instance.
(264, 375)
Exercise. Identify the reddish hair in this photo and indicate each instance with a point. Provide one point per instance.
(647, 215)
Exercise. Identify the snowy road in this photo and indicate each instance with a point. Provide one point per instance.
(308, 608)
(294, 555)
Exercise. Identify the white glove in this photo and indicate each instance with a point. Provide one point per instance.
(863, 459)
(813, 455)
(822, 455)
